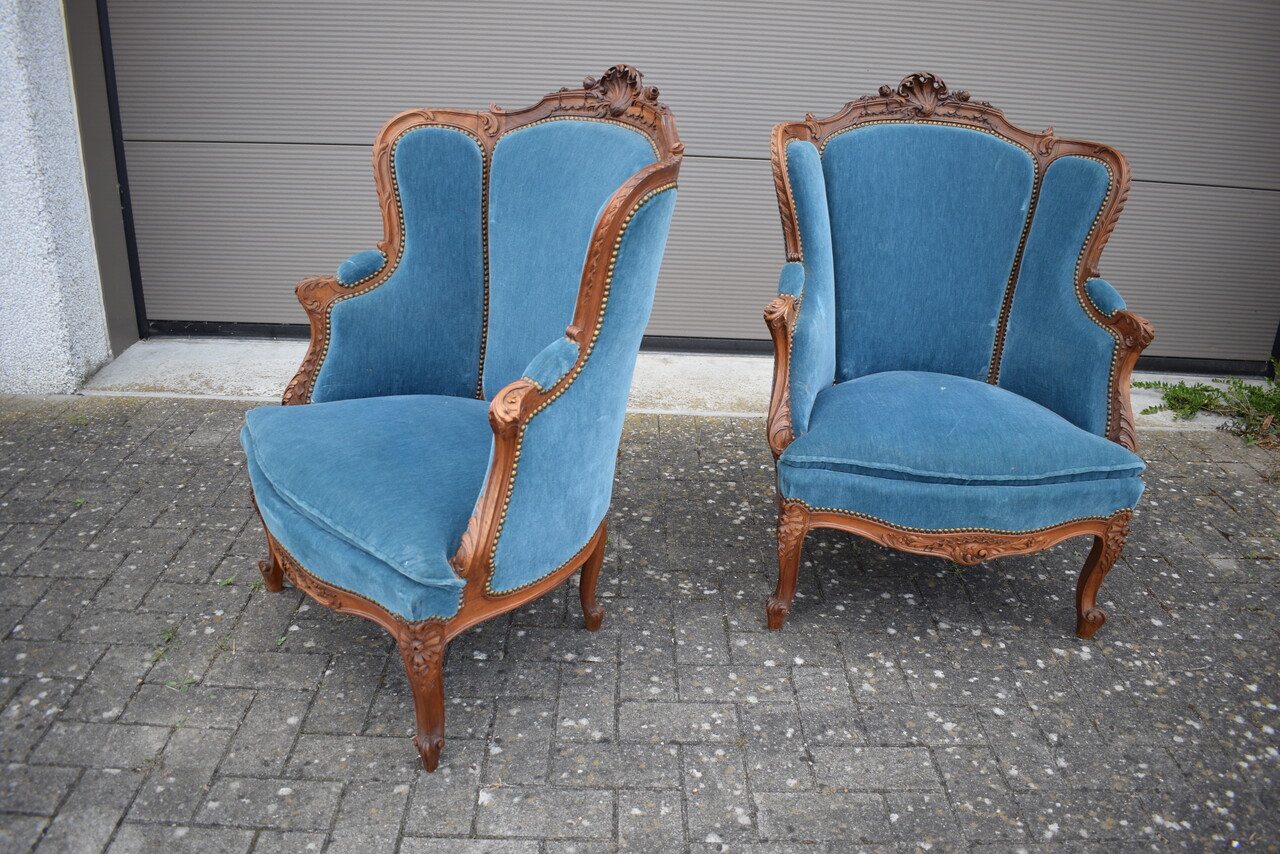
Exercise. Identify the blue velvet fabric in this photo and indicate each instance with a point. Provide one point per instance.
(552, 363)
(360, 266)
(419, 332)
(791, 279)
(944, 506)
(1054, 352)
(564, 478)
(394, 477)
(341, 564)
(1103, 296)
(813, 345)
(934, 451)
(547, 184)
(926, 223)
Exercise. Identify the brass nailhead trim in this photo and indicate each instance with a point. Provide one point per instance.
(887, 524)
(1080, 283)
(652, 144)
(582, 363)
(364, 279)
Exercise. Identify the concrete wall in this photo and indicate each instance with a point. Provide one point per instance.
(52, 324)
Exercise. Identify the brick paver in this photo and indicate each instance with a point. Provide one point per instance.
(154, 697)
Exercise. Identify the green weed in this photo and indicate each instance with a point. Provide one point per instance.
(1254, 410)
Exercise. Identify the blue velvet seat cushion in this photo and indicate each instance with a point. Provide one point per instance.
(341, 564)
(927, 450)
(395, 478)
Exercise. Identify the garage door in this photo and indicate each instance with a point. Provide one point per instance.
(247, 128)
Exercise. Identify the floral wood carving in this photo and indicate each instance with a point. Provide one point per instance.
(793, 524)
(619, 88)
(1107, 548)
(923, 92)
(507, 408)
(422, 645)
(964, 548)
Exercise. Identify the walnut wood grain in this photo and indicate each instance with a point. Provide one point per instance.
(1107, 546)
(967, 547)
(793, 524)
(780, 316)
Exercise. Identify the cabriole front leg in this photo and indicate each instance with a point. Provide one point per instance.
(793, 524)
(1106, 548)
(422, 646)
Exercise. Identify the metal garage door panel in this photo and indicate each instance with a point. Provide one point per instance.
(1198, 263)
(725, 251)
(225, 231)
(1144, 77)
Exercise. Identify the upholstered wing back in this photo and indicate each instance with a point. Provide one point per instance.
(547, 185)
(487, 219)
(927, 233)
(418, 326)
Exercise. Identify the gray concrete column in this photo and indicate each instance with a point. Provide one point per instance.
(52, 323)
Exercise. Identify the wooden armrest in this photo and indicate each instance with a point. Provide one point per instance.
(780, 316)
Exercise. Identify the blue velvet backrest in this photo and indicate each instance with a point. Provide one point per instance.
(557, 501)
(419, 332)
(926, 221)
(1055, 352)
(547, 185)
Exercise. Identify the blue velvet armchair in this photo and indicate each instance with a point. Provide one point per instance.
(455, 455)
(951, 376)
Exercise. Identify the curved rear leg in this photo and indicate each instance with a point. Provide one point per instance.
(272, 569)
(793, 524)
(1106, 548)
(422, 645)
(592, 610)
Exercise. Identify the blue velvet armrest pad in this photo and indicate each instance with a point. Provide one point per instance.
(550, 365)
(1104, 296)
(791, 279)
(361, 266)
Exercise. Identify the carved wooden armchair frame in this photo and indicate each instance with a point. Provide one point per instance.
(922, 98)
(617, 97)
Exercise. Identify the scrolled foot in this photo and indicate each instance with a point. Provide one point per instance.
(1089, 622)
(1107, 547)
(793, 524)
(429, 747)
(272, 574)
(776, 612)
(593, 616)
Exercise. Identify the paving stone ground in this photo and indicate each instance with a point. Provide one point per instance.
(154, 697)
